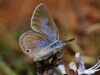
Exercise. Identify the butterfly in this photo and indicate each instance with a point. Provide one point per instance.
(43, 40)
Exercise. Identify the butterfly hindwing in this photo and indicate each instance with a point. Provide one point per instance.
(42, 22)
(33, 42)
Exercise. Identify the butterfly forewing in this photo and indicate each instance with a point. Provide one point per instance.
(42, 22)
(32, 42)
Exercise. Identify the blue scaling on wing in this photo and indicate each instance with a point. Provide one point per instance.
(43, 22)
(46, 29)
(42, 44)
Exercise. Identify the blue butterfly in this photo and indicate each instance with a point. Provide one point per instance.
(43, 40)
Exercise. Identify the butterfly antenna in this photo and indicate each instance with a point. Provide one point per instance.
(70, 40)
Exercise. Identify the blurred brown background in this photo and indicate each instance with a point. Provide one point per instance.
(74, 18)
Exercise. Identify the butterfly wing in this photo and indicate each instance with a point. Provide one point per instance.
(32, 43)
(42, 22)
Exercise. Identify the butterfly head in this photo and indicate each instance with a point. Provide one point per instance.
(56, 44)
